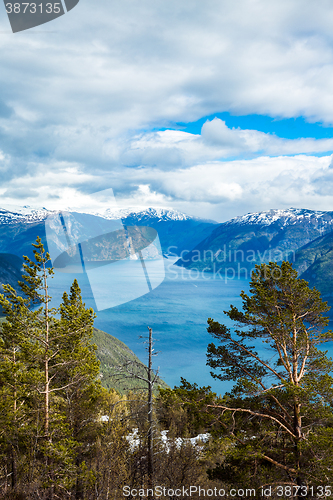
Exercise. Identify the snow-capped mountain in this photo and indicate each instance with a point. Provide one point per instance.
(291, 216)
(237, 244)
(146, 214)
(177, 231)
(254, 238)
(24, 214)
(19, 226)
(29, 214)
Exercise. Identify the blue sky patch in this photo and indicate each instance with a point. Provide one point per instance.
(288, 128)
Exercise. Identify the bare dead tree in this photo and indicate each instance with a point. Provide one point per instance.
(132, 369)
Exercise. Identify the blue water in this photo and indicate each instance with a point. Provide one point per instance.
(177, 311)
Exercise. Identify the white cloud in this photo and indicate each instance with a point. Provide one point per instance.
(242, 141)
(128, 64)
(215, 189)
(172, 149)
(79, 104)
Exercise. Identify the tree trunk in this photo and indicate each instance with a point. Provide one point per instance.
(14, 468)
(297, 452)
(78, 484)
(47, 388)
(13, 453)
(150, 414)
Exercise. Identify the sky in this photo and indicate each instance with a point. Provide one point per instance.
(214, 108)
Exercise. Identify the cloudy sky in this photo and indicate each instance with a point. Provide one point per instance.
(215, 108)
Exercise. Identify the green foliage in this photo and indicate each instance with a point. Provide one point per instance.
(283, 393)
(62, 435)
(184, 409)
(49, 380)
(112, 353)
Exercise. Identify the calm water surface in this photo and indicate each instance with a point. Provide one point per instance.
(177, 310)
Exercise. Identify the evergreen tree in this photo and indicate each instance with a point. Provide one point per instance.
(279, 411)
(14, 410)
(49, 379)
(79, 372)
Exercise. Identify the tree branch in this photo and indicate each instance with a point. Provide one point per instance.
(244, 410)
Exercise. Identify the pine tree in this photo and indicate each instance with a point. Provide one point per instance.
(82, 391)
(14, 409)
(280, 406)
(49, 377)
(19, 332)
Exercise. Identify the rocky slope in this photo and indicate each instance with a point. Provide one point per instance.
(314, 263)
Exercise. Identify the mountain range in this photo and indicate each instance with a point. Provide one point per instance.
(19, 227)
(302, 236)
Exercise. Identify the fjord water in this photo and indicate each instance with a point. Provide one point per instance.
(177, 311)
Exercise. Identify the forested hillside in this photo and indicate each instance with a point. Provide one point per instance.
(112, 353)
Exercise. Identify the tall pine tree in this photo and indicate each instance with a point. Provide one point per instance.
(47, 362)
(280, 408)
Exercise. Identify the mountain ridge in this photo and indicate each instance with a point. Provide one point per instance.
(20, 226)
(259, 237)
(272, 216)
(31, 214)
(240, 243)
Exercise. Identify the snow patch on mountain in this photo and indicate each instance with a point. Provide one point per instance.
(26, 214)
(283, 217)
(162, 214)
